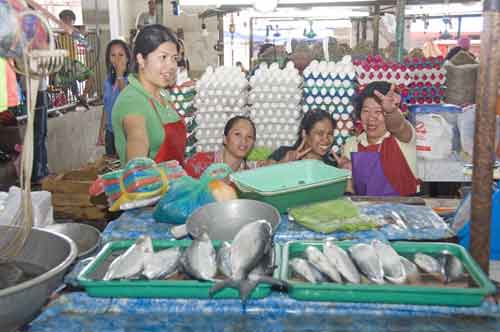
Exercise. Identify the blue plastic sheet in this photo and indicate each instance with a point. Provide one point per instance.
(277, 313)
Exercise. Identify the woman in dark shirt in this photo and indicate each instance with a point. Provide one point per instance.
(314, 141)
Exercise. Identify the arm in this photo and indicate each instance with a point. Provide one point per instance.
(395, 123)
(137, 137)
(100, 137)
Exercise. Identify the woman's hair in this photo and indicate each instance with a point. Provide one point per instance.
(309, 120)
(109, 66)
(150, 38)
(230, 124)
(369, 92)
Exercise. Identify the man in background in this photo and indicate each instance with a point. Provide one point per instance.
(147, 18)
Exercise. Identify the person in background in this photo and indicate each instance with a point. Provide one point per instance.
(182, 65)
(147, 18)
(243, 70)
(144, 122)
(118, 60)
(239, 139)
(314, 141)
(463, 44)
(383, 157)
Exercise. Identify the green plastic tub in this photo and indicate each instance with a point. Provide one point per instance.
(292, 184)
(91, 278)
(390, 293)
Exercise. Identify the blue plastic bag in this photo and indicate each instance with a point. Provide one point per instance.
(188, 194)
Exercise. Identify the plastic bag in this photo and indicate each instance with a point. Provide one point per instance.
(188, 194)
(43, 211)
(140, 181)
(332, 216)
(434, 137)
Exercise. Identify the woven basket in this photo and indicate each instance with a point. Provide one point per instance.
(461, 83)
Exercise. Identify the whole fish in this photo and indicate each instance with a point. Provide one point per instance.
(391, 262)
(305, 269)
(451, 267)
(162, 264)
(131, 263)
(265, 267)
(340, 259)
(411, 270)
(427, 263)
(224, 259)
(249, 246)
(322, 264)
(199, 259)
(368, 262)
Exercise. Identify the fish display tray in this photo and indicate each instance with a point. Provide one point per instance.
(292, 184)
(390, 293)
(91, 277)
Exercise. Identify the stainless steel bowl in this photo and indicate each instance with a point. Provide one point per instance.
(223, 220)
(86, 237)
(22, 302)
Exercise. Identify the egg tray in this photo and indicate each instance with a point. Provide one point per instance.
(176, 287)
(459, 294)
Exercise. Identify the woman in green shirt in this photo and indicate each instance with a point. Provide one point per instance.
(144, 121)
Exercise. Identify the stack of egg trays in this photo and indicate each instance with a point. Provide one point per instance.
(222, 94)
(275, 100)
(331, 87)
(182, 99)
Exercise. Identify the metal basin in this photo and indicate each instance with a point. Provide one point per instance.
(22, 302)
(223, 220)
(86, 237)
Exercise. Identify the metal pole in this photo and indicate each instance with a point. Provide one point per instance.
(459, 29)
(250, 64)
(376, 28)
(364, 23)
(484, 138)
(357, 30)
(220, 42)
(400, 28)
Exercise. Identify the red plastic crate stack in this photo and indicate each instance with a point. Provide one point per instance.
(419, 80)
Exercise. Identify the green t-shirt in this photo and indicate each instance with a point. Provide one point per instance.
(134, 100)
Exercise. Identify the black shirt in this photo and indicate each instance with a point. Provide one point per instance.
(281, 152)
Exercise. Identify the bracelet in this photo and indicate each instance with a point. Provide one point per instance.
(120, 78)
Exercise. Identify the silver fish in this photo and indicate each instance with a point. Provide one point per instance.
(199, 259)
(249, 246)
(162, 264)
(305, 269)
(322, 264)
(340, 259)
(368, 262)
(411, 269)
(224, 259)
(131, 263)
(427, 263)
(265, 267)
(451, 267)
(391, 262)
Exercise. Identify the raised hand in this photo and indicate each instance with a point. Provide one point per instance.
(298, 153)
(390, 101)
(342, 162)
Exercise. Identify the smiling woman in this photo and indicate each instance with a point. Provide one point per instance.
(144, 121)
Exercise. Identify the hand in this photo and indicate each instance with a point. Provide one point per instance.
(296, 154)
(342, 162)
(100, 139)
(390, 101)
(121, 67)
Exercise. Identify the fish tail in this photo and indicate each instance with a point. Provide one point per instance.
(246, 287)
(218, 286)
(279, 284)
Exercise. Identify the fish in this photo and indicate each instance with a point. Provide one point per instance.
(316, 258)
(131, 263)
(368, 262)
(224, 259)
(411, 269)
(394, 270)
(427, 263)
(162, 264)
(306, 270)
(199, 259)
(340, 259)
(248, 248)
(265, 267)
(451, 267)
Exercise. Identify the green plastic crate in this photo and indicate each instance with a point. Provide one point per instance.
(390, 293)
(292, 184)
(91, 278)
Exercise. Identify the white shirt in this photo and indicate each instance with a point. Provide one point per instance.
(144, 19)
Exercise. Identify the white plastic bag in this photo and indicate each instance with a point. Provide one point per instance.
(43, 213)
(434, 137)
(466, 124)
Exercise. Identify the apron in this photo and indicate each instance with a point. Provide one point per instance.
(382, 170)
(174, 143)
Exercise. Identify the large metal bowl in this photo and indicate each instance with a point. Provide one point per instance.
(53, 252)
(86, 237)
(223, 220)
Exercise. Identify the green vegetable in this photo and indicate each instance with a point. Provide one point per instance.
(332, 216)
(259, 153)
